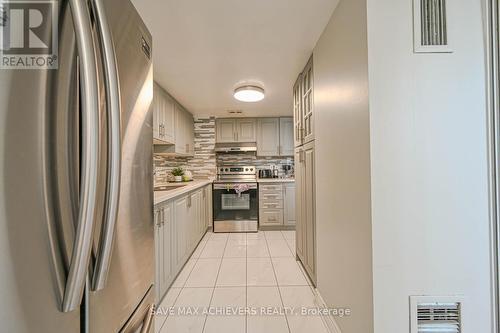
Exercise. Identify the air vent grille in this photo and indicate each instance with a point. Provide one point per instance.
(435, 314)
(431, 26)
(433, 22)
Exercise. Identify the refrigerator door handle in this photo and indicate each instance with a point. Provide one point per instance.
(112, 86)
(80, 256)
(146, 327)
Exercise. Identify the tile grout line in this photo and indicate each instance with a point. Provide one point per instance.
(278, 285)
(215, 285)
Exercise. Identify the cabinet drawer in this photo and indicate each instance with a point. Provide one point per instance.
(270, 196)
(271, 204)
(271, 188)
(271, 217)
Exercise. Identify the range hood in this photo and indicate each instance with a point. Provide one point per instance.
(227, 148)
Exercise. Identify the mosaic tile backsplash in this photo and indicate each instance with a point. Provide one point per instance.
(204, 162)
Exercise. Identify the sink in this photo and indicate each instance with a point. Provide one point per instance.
(169, 187)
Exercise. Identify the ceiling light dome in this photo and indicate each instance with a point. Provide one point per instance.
(249, 94)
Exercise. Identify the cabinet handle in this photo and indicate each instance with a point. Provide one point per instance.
(158, 220)
(163, 216)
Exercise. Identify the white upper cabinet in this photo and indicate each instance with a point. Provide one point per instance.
(236, 130)
(268, 137)
(173, 126)
(275, 137)
(163, 116)
(297, 112)
(286, 137)
(169, 119)
(303, 106)
(246, 130)
(226, 130)
(184, 141)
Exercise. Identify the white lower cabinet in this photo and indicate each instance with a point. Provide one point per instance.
(305, 208)
(180, 223)
(164, 248)
(277, 204)
(289, 204)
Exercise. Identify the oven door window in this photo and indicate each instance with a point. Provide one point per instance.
(235, 201)
(229, 206)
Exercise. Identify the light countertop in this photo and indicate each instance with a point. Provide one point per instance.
(161, 196)
(276, 180)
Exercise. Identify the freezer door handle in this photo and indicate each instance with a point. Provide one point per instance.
(112, 87)
(80, 256)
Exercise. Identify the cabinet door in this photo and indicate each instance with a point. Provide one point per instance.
(205, 209)
(308, 103)
(156, 123)
(246, 130)
(158, 254)
(168, 275)
(169, 119)
(310, 212)
(289, 204)
(268, 137)
(226, 130)
(180, 123)
(299, 205)
(189, 134)
(210, 215)
(286, 137)
(271, 217)
(297, 111)
(196, 216)
(181, 221)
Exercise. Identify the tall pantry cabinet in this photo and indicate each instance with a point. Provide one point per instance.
(303, 95)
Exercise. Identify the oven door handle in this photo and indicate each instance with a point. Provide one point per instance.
(231, 186)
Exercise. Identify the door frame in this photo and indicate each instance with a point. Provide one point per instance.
(493, 123)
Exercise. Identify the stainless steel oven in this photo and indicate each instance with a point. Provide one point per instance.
(235, 200)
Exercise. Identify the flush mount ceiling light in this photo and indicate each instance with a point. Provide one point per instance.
(249, 94)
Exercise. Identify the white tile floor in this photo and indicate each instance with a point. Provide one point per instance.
(250, 282)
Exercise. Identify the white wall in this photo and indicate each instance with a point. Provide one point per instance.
(429, 166)
(343, 217)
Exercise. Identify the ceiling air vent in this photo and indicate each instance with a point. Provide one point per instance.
(436, 314)
(430, 21)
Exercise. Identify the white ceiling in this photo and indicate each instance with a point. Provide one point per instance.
(202, 49)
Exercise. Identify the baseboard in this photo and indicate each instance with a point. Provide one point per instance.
(329, 321)
(276, 227)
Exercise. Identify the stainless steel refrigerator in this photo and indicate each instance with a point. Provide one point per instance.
(76, 197)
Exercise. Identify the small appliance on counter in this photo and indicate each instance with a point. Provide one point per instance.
(288, 170)
(269, 173)
(265, 173)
